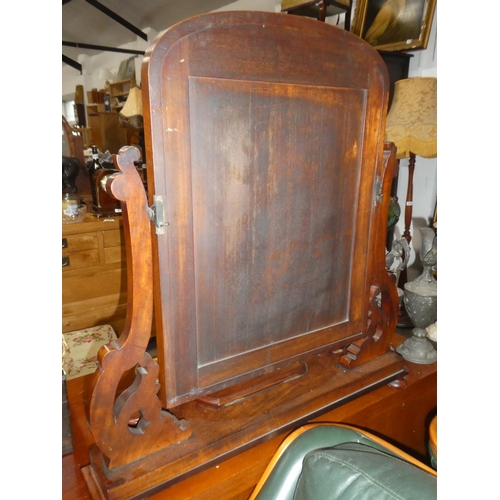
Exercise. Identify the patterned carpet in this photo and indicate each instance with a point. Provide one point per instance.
(79, 349)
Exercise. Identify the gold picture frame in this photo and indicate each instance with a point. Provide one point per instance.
(394, 24)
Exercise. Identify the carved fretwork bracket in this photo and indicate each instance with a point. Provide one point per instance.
(380, 326)
(111, 409)
(382, 300)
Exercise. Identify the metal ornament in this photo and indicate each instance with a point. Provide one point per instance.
(420, 299)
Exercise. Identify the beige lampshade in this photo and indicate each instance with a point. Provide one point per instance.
(133, 105)
(412, 119)
(131, 113)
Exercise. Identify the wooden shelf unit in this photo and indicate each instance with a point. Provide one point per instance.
(107, 134)
(118, 91)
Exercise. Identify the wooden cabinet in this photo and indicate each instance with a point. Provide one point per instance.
(94, 277)
(107, 134)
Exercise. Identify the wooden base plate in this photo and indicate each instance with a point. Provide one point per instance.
(244, 390)
(220, 433)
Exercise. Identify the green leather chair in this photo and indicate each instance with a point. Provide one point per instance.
(433, 452)
(334, 461)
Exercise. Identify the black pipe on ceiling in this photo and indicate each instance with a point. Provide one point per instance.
(79, 45)
(72, 63)
(117, 18)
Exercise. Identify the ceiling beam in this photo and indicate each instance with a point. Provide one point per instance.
(102, 48)
(117, 18)
(72, 63)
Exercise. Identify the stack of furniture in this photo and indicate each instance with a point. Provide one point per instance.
(107, 134)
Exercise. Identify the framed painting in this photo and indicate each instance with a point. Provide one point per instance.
(394, 24)
(126, 71)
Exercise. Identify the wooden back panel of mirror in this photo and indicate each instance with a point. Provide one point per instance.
(264, 136)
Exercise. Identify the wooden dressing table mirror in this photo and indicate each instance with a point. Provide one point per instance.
(262, 246)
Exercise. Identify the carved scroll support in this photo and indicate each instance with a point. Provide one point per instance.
(382, 301)
(112, 410)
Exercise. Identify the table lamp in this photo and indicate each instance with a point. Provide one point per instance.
(131, 113)
(131, 116)
(412, 127)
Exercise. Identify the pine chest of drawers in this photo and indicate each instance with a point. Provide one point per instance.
(94, 274)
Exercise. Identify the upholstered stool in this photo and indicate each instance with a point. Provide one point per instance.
(80, 347)
(433, 447)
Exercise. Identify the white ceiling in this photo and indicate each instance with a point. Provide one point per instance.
(84, 23)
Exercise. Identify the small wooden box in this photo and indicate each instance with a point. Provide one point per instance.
(93, 96)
